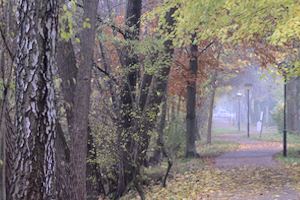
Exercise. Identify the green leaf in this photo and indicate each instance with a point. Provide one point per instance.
(77, 40)
(84, 24)
(65, 35)
(65, 7)
(87, 19)
(88, 25)
(56, 84)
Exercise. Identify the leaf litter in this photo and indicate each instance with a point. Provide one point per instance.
(214, 183)
(236, 182)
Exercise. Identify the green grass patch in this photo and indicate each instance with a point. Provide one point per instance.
(219, 131)
(292, 156)
(215, 148)
(276, 137)
(293, 141)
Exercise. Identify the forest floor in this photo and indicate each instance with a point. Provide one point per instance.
(247, 171)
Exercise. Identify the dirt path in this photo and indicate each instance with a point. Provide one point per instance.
(253, 154)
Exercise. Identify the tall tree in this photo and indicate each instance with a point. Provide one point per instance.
(191, 103)
(35, 107)
(8, 25)
(132, 26)
(211, 105)
(80, 109)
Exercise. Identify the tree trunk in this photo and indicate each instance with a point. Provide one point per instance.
(62, 173)
(9, 142)
(2, 159)
(78, 133)
(2, 134)
(34, 156)
(256, 112)
(93, 183)
(126, 142)
(159, 88)
(211, 107)
(159, 143)
(67, 70)
(191, 104)
(6, 133)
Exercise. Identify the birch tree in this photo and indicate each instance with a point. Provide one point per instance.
(35, 107)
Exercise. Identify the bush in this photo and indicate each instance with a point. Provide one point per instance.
(277, 116)
(175, 138)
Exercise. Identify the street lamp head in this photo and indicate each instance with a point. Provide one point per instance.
(248, 86)
(238, 95)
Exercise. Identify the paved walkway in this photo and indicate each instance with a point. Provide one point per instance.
(251, 153)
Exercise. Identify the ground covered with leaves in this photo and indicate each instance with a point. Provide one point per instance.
(202, 179)
(243, 182)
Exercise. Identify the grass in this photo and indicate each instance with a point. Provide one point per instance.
(293, 155)
(276, 137)
(219, 131)
(215, 148)
(293, 141)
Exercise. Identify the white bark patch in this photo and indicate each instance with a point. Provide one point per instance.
(34, 50)
(35, 58)
(27, 121)
(40, 29)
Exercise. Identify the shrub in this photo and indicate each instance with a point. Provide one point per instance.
(277, 115)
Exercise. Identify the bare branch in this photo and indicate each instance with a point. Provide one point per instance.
(12, 56)
(207, 47)
(104, 72)
(111, 26)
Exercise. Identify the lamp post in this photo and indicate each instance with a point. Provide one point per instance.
(284, 118)
(248, 87)
(238, 96)
(284, 66)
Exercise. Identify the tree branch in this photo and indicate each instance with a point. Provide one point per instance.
(207, 47)
(111, 26)
(12, 56)
(104, 72)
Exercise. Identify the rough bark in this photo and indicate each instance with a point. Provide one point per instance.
(9, 148)
(93, 184)
(62, 173)
(2, 161)
(191, 104)
(6, 137)
(34, 156)
(2, 135)
(211, 107)
(78, 133)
